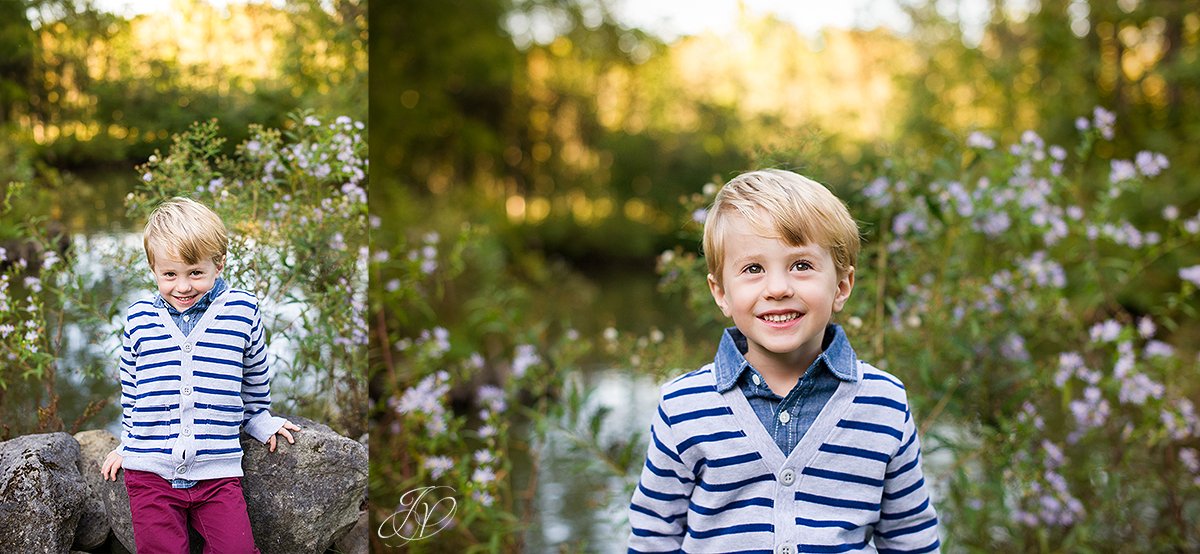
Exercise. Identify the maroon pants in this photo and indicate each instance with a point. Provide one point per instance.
(215, 507)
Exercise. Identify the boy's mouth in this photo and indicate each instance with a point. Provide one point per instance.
(780, 317)
(185, 299)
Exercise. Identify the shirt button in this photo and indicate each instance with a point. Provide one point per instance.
(784, 417)
(787, 477)
(756, 379)
(187, 347)
(187, 391)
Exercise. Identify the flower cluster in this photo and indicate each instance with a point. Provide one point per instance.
(427, 254)
(1045, 285)
(1047, 501)
(525, 356)
(426, 401)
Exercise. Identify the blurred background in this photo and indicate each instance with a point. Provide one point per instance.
(1024, 172)
(90, 88)
(575, 127)
(92, 95)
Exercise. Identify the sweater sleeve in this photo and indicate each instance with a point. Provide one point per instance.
(127, 372)
(907, 521)
(658, 511)
(256, 386)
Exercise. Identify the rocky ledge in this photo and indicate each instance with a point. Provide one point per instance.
(308, 497)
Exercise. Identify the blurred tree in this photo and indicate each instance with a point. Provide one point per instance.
(104, 88)
(324, 57)
(1044, 66)
(16, 59)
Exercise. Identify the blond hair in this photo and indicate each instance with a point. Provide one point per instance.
(782, 204)
(184, 228)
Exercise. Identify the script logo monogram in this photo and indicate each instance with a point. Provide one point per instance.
(424, 515)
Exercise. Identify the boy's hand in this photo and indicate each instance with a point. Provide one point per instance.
(111, 464)
(283, 431)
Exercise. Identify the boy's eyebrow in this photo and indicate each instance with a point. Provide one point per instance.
(803, 250)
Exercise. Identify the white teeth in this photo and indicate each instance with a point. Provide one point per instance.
(781, 318)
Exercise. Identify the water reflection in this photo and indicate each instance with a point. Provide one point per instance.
(574, 508)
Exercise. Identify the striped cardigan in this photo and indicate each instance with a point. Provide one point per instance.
(184, 399)
(715, 481)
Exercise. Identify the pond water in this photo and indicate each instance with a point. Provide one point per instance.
(574, 506)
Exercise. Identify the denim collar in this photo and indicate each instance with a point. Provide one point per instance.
(731, 362)
(200, 305)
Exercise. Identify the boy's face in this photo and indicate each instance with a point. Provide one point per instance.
(779, 296)
(183, 284)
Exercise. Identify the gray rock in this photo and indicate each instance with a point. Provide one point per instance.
(41, 493)
(301, 498)
(357, 541)
(304, 496)
(111, 494)
(93, 526)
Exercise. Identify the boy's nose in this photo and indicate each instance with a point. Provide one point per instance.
(778, 286)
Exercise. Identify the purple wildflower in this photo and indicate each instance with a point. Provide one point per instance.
(437, 465)
(981, 141)
(1158, 349)
(1104, 121)
(524, 357)
(1191, 274)
(1106, 331)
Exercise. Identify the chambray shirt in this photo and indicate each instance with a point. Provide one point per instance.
(186, 320)
(787, 418)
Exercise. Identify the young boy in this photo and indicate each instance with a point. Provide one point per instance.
(786, 443)
(193, 374)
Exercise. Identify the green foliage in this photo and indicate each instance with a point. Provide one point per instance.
(94, 87)
(1054, 417)
(295, 205)
(471, 380)
(994, 283)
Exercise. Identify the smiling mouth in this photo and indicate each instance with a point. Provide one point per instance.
(780, 318)
(185, 298)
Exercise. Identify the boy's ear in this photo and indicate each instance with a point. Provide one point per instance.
(220, 264)
(718, 294)
(844, 287)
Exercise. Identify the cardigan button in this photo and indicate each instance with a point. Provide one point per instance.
(181, 469)
(785, 549)
(186, 391)
(787, 477)
(187, 347)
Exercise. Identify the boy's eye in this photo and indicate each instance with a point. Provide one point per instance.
(802, 266)
(753, 268)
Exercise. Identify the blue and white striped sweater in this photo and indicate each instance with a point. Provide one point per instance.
(714, 480)
(184, 399)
